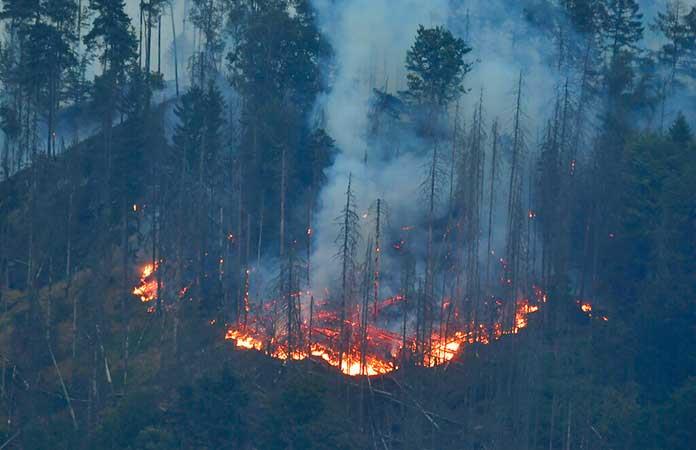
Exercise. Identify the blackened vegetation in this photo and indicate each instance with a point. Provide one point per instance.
(229, 171)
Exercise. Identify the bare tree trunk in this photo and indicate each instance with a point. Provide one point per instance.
(148, 34)
(283, 183)
(494, 164)
(364, 310)
(68, 274)
(260, 239)
(309, 240)
(515, 147)
(311, 324)
(345, 262)
(378, 251)
(429, 270)
(4, 281)
(176, 52)
(140, 35)
(125, 295)
(63, 387)
(570, 421)
(552, 421)
(159, 43)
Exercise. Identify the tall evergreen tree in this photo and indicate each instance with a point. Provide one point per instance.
(622, 28)
(111, 38)
(436, 67)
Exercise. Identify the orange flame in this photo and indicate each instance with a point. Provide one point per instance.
(147, 289)
(372, 350)
(383, 347)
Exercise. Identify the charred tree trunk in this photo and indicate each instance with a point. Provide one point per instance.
(491, 204)
(175, 49)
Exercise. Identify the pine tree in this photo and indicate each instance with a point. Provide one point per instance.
(680, 131)
(622, 27)
(584, 14)
(436, 67)
(673, 25)
(208, 17)
(198, 144)
(111, 38)
(40, 52)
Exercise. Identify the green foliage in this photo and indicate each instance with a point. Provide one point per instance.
(299, 417)
(321, 153)
(208, 17)
(673, 24)
(151, 438)
(264, 65)
(112, 36)
(622, 26)
(650, 268)
(675, 419)
(125, 423)
(212, 413)
(584, 14)
(436, 67)
(680, 132)
(112, 39)
(188, 134)
(197, 136)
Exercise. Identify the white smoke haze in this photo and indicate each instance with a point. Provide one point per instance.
(503, 45)
(370, 41)
(184, 35)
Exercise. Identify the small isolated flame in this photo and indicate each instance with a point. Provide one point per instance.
(523, 310)
(587, 308)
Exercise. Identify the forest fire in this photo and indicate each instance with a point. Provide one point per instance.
(371, 350)
(369, 347)
(147, 289)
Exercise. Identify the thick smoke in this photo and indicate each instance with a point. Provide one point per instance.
(370, 40)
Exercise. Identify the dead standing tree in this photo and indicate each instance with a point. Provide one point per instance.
(347, 240)
(515, 222)
(436, 72)
(471, 199)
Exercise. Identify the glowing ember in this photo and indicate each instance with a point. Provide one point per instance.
(587, 308)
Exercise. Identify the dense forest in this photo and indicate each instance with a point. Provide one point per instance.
(369, 224)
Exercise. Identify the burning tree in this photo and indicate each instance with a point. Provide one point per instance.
(347, 241)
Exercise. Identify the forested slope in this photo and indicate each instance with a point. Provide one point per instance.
(465, 225)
